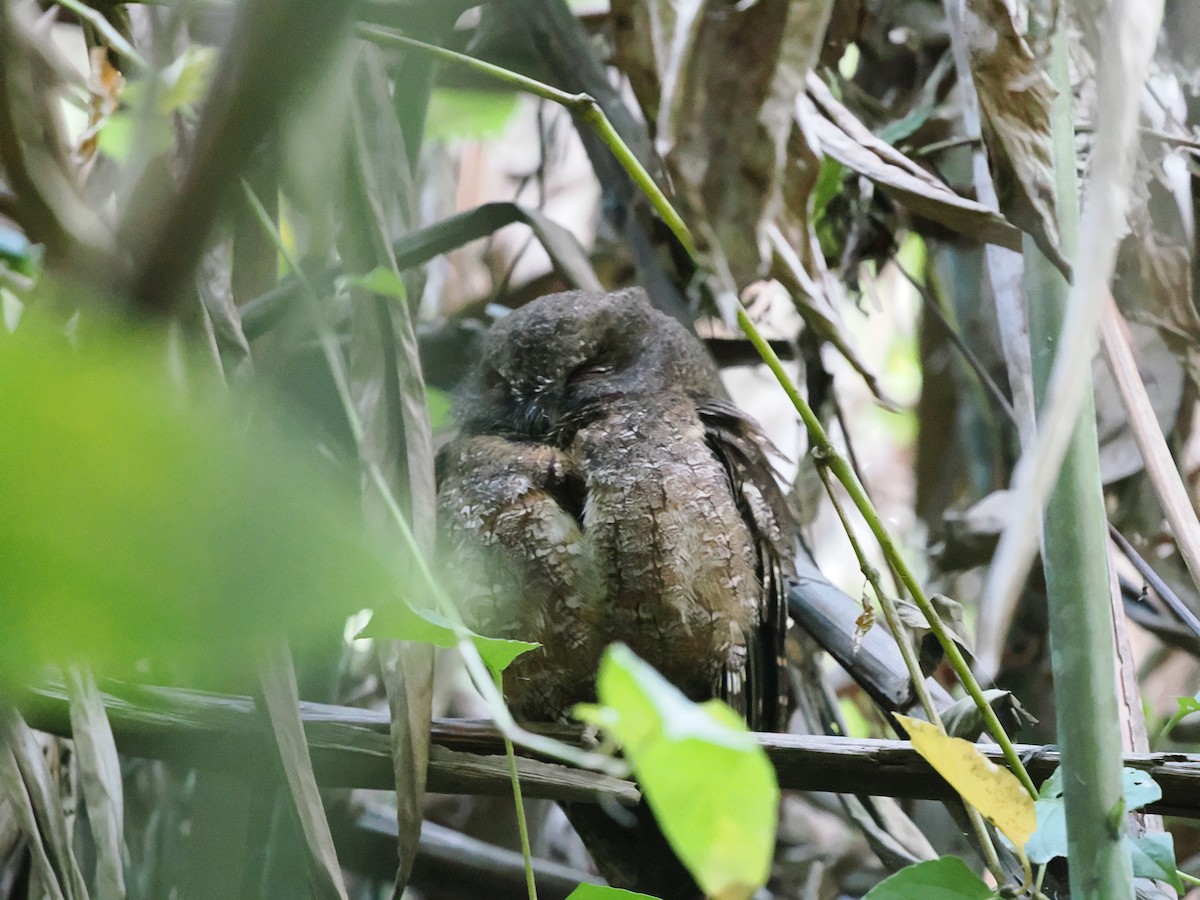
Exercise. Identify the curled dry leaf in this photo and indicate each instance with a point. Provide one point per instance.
(844, 138)
(1014, 98)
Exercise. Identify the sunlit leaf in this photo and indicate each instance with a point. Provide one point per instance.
(400, 621)
(947, 878)
(722, 828)
(180, 85)
(439, 407)
(992, 790)
(602, 892)
(119, 132)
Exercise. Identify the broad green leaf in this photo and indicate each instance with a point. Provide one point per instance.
(603, 892)
(150, 521)
(1154, 857)
(1050, 839)
(399, 621)
(468, 114)
(991, 789)
(947, 878)
(710, 785)
(1140, 788)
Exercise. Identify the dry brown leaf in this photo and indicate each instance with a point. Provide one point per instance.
(851, 143)
(1014, 98)
(104, 96)
(720, 84)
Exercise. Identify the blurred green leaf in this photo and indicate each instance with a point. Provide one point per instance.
(17, 253)
(439, 407)
(149, 520)
(179, 86)
(602, 892)
(120, 130)
(947, 878)
(400, 621)
(710, 785)
(380, 280)
(457, 113)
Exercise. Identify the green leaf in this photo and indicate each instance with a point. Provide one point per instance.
(708, 782)
(1140, 788)
(181, 85)
(1187, 706)
(154, 519)
(457, 113)
(122, 128)
(1154, 857)
(947, 878)
(1050, 839)
(602, 892)
(380, 280)
(438, 402)
(400, 621)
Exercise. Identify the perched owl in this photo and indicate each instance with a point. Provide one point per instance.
(600, 490)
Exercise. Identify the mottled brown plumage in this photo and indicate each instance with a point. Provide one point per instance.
(600, 490)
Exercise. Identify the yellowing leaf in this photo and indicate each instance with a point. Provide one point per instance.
(992, 790)
(706, 779)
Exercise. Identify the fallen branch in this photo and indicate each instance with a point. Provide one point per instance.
(350, 749)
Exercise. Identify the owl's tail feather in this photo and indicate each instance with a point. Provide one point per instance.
(632, 855)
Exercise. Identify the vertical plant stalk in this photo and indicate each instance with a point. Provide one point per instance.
(911, 663)
(519, 804)
(1074, 550)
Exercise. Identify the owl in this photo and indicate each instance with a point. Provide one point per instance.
(600, 488)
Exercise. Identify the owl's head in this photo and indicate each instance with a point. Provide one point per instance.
(564, 359)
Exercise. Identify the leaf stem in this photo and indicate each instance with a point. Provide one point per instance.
(522, 825)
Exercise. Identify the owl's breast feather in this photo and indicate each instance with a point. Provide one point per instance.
(676, 560)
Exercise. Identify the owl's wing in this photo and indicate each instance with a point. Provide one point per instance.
(513, 556)
(736, 440)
